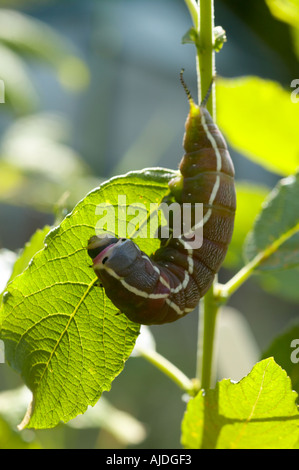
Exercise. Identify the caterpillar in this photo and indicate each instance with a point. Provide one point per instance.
(167, 285)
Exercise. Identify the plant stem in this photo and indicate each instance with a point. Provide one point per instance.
(205, 53)
(205, 73)
(209, 323)
(202, 14)
(170, 370)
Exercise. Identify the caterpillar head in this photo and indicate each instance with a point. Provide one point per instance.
(112, 254)
(127, 275)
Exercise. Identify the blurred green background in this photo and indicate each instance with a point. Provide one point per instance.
(92, 90)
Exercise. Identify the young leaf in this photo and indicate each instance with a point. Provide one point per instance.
(61, 333)
(275, 235)
(265, 126)
(259, 412)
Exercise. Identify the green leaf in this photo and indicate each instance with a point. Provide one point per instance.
(190, 37)
(285, 350)
(259, 119)
(249, 201)
(275, 233)
(61, 333)
(259, 412)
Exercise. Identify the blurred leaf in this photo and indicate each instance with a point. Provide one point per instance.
(13, 404)
(277, 227)
(285, 10)
(19, 91)
(11, 178)
(35, 244)
(145, 340)
(128, 430)
(295, 35)
(7, 260)
(26, 34)
(11, 439)
(37, 165)
(288, 12)
(281, 283)
(259, 412)
(281, 349)
(40, 191)
(153, 140)
(64, 336)
(249, 201)
(270, 36)
(124, 427)
(265, 127)
(37, 143)
(237, 350)
(73, 74)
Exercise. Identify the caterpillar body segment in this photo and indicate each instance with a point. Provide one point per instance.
(169, 284)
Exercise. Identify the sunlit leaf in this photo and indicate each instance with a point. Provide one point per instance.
(259, 412)
(259, 119)
(61, 333)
